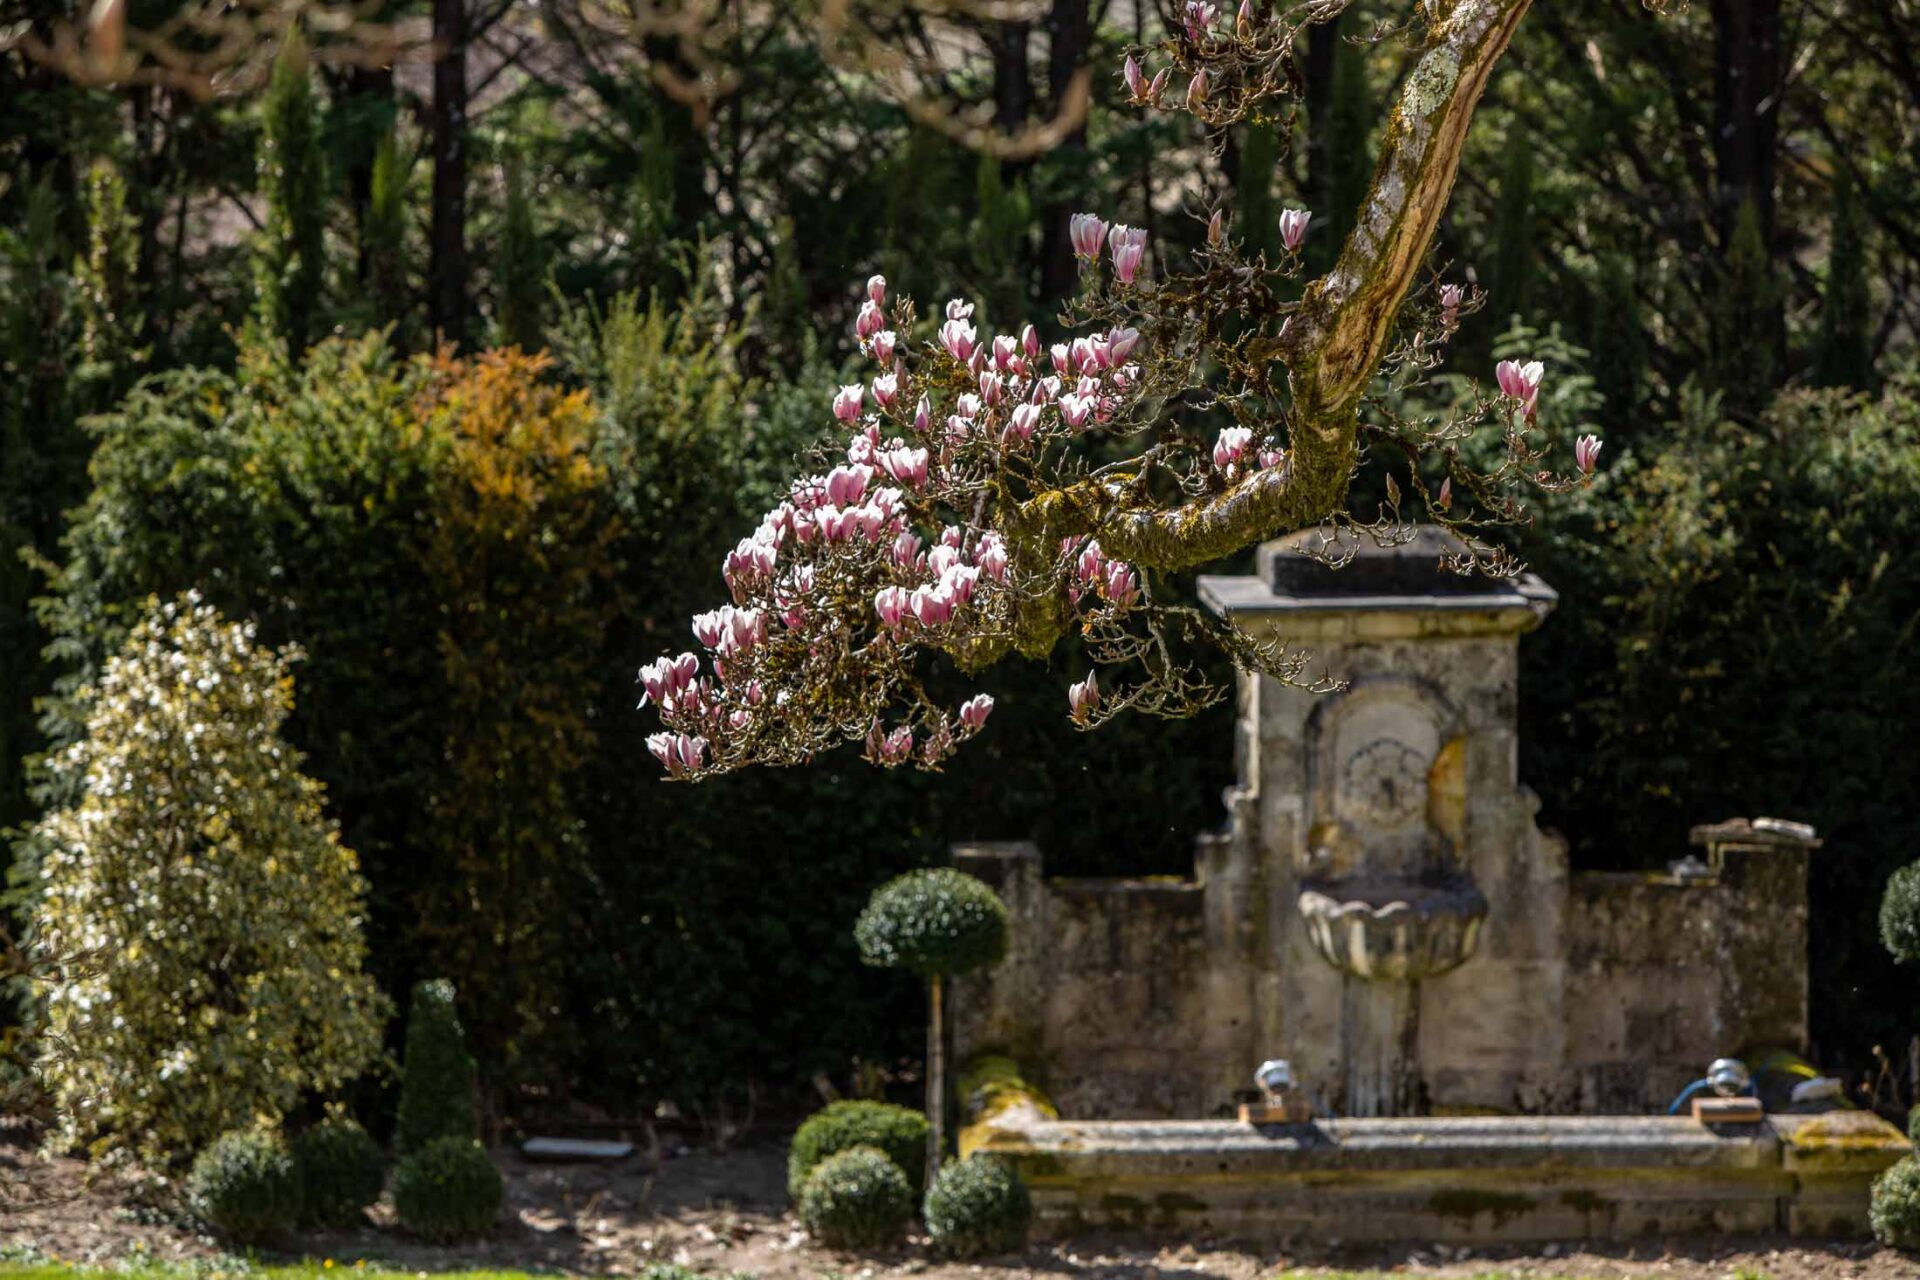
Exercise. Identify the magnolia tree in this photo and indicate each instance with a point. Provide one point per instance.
(989, 493)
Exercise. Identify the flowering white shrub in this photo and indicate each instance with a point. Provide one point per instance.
(991, 492)
(197, 931)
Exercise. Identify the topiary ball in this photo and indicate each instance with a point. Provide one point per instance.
(436, 1084)
(1895, 1211)
(856, 1200)
(448, 1190)
(900, 1132)
(937, 923)
(245, 1186)
(1900, 913)
(978, 1206)
(340, 1172)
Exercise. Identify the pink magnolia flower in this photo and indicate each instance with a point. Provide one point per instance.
(932, 606)
(953, 536)
(877, 290)
(891, 748)
(1293, 228)
(1005, 348)
(1030, 342)
(974, 711)
(1586, 452)
(906, 548)
(1444, 499)
(846, 404)
(1197, 90)
(749, 562)
(1135, 78)
(1086, 230)
(1232, 446)
(923, 416)
(891, 604)
(1520, 381)
(884, 343)
(1129, 246)
(1451, 296)
(1199, 18)
(869, 321)
(680, 753)
(1272, 458)
(710, 627)
(1062, 356)
(992, 557)
(959, 309)
(1092, 564)
(847, 485)
(1122, 585)
(958, 337)
(906, 466)
(1021, 426)
(1121, 344)
(1159, 85)
(1217, 227)
(943, 557)
(1243, 21)
(958, 581)
(1076, 410)
(886, 388)
(991, 384)
(1084, 697)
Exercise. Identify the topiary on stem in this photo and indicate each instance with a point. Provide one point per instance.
(1895, 1209)
(936, 923)
(977, 1206)
(856, 1200)
(900, 1132)
(436, 1089)
(1900, 914)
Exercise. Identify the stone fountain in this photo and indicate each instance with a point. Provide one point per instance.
(1382, 911)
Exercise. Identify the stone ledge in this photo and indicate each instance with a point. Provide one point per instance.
(1467, 1179)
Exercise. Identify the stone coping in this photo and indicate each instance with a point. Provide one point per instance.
(1469, 1178)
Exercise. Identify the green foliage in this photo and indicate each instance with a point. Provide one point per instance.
(436, 1088)
(340, 1170)
(245, 1185)
(1746, 319)
(856, 1199)
(1350, 121)
(384, 238)
(197, 935)
(1516, 254)
(1895, 1209)
(1900, 914)
(936, 923)
(978, 1206)
(109, 322)
(520, 279)
(1844, 356)
(1257, 221)
(1619, 362)
(291, 265)
(448, 1190)
(900, 1132)
(1732, 606)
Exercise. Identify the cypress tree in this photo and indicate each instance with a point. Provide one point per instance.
(1619, 340)
(521, 270)
(1845, 354)
(1258, 225)
(1745, 365)
(385, 230)
(1350, 118)
(290, 267)
(109, 325)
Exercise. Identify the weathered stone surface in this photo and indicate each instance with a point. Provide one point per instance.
(1581, 992)
(1480, 1180)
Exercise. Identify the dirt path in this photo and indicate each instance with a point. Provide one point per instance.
(725, 1213)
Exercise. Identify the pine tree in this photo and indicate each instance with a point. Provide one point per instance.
(197, 937)
(1845, 354)
(290, 267)
(521, 272)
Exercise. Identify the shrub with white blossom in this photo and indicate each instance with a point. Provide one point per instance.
(197, 938)
(989, 491)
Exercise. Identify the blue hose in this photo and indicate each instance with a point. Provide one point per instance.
(1686, 1095)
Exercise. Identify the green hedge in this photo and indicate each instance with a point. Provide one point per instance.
(899, 1132)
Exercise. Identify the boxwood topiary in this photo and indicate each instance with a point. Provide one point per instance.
(976, 1206)
(856, 1199)
(1900, 913)
(900, 1132)
(340, 1172)
(936, 922)
(245, 1186)
(448, 1190)
(1895, 1211)
(436, 1087)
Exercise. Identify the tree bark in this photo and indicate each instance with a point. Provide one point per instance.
(1748, 80)
(936, 1080)
(447, 235)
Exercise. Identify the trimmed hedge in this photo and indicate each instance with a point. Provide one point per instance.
(448, 1190)
(978, 1206)
(856, 1199)
(340, 1170)
(245, 1186)
(899, 1132)
(1895, 1212)
(436, 1089)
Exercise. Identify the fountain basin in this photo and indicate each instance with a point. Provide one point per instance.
(1394, 931)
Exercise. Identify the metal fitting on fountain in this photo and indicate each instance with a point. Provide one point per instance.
(1283, 1104)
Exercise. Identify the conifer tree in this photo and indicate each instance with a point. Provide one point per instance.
(290, 267)
(1745, 313)
(1845, 355)
(1258, 221)
(1619, 339)
(1350, 119)
(385, 230)
(1513, 238)
(521, 273)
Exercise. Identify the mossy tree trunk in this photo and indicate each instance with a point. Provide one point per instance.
(936, 1078)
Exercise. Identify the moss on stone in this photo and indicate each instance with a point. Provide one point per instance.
(1464, 1203)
